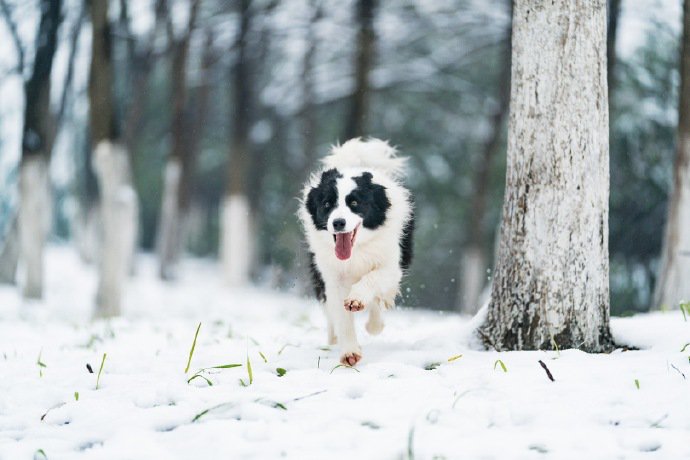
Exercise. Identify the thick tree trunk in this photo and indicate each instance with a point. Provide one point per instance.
(34, 188)
(236, 235)
(178, 171)
(551, 284)
(119, 207)
(673, 284)
(474, 259)
(9, 254)
(357, 120)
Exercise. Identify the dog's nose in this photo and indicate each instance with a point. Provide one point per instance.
(339, 225)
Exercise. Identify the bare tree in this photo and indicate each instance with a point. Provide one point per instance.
(551, 283)
(356, 123)
(37, 138)
(474, 258)
(673, 284)
(236, 233)
(178, 171)
(119, 208)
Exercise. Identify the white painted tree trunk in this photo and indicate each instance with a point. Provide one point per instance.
(170, 228)
(473, 280)
(34, 222)
(119, 217)
(236, 240)
(673, 284)
(86, 233)
(9, 254)
(551, 283)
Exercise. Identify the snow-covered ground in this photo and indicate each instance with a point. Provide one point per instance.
(405, 400)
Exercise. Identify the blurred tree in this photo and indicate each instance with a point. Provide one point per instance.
(118, 207)
(474, 257)
(37, 139)
(673, 284)
(357, 118)
(236, 233)
(614, 12)
(180, 164)
(551, 284)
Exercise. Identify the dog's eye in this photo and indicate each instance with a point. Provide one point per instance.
(327, 205)
(353, 203)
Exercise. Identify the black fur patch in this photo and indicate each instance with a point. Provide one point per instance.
(317, 280)
(406, 243)
(369, 201)
(323, 198)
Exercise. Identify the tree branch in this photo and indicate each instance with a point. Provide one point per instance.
(14, 33)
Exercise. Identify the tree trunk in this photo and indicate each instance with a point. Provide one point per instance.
(236, 235)
(9, 254)
(357, 120)
(119, 207)
(673, 284)
(34, 185)
(474, 260)
(614, 11)
(177, 177)
(551, 284)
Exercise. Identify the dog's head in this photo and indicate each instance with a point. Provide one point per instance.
(346, 208)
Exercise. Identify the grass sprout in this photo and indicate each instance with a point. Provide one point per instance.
(346, 366)
(191, 351)
(637, 384)
(199, 374)
(41, 365)
(281, 372)
(100, 370)
(502, 364)
(454, 358)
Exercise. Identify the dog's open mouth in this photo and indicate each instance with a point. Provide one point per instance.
(344, 243)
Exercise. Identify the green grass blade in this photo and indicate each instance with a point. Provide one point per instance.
(249, 370)
(199, 376)
(98, 377)
(454, 358)
(503, 366)
(76, 396)
(224, 366)
(263, 357)
(191, 351)
(343, 365)
(637, 384)
(281, 372)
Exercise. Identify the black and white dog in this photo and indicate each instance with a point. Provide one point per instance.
(358, 220)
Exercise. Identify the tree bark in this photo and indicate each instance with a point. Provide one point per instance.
(119, 207)
(474, 258)
(177, 176)
(236, 240)
(551, 283)
(357, 120)
(673, 284)
(34, 186)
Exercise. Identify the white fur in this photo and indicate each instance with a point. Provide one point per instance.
(372, 274)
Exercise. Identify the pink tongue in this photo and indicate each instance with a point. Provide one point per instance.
(343, 245)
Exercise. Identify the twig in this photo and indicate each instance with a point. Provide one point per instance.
(678, 370)
(546, 369)
(14, 33)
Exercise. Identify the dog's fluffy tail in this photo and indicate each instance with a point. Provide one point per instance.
(370, 153)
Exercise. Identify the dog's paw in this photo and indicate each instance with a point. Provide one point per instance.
(354, 305)
(351, 358)
(374, 325)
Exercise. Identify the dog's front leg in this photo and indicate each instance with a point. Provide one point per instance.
(344, 326)
(379, 286)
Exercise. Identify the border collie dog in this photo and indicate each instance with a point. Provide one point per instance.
(358, 220)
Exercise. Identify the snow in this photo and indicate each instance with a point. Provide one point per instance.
(390, 406)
